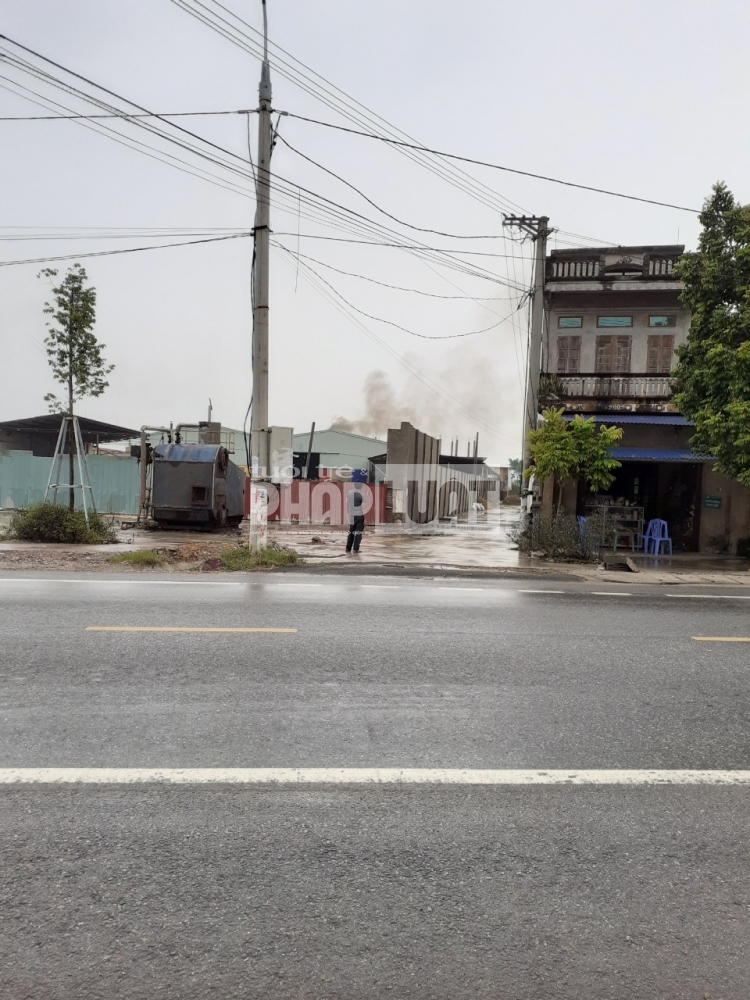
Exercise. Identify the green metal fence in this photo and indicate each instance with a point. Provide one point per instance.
(23, 478)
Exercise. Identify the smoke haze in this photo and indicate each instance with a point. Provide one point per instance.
(473, 383)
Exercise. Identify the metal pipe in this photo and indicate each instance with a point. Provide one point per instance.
(144, 466)
(309, 450)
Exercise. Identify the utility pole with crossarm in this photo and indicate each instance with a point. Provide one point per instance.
(537, 227)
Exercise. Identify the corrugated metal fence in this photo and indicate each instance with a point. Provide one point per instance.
(23, 478)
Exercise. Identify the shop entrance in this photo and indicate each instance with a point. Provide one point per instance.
(667, 490)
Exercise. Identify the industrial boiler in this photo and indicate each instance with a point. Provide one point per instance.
(196, 486)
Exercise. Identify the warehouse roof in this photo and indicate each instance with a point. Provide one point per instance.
(49, 425)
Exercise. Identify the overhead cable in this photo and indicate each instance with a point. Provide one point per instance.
(326, 92)
(333, 209)
(385, 284)
(433, 386)
(112, 93)
(329, 205)
(152, 152)
(155, 114)
(388, 322)
(492, 166)
(420, 229)
(110, 253)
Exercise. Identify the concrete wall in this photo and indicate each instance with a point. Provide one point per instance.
(23, 478)
(721, 529)
(420, 488)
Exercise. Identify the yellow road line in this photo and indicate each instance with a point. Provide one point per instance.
(717, 638)
(153, 628)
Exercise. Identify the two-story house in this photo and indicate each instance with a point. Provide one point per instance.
(613, 321)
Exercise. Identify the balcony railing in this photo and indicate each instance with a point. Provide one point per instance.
(597, 386)
(576, 268)
(641, 267)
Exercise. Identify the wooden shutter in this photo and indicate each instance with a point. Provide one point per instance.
(568, 355)
(622, 354)
(574, 354)
(604, 355)
(660, 351)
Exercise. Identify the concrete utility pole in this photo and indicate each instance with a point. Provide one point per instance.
(537, 227)
(260, 464)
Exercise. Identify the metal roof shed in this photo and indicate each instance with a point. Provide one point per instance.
(39, 434)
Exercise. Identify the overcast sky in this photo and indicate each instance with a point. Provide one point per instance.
(646, 98)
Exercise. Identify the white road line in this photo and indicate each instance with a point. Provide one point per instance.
(359, 776)
(380, 586)
(277, 585)
(471, 590)
(714, 597)
(610, 593)
(180, 628)
(129, 582)
(541, 591)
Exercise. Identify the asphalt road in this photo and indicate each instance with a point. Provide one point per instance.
(372, 890)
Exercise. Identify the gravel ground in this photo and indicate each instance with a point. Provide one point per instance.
(183, 558)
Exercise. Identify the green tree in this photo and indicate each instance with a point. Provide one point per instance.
(712, 377)
(515, 465)
(573, 449)
(593, 448)
(74, 354)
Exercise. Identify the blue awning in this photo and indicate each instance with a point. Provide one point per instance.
(665, 419)
(658, 455)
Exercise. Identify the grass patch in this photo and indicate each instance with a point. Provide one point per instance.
(49, 522)
(138, 557)
(243, 558)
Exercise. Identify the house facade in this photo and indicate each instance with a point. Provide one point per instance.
(613, 323)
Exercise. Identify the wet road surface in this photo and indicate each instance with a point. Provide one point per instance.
(372, 889)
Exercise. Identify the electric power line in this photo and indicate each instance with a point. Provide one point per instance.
(433, 386)
(159, 114)
(398, 288)
(333, 208)
(421, 229)
(347, 106)
(492, 166)
(110, 253)
(388, 322)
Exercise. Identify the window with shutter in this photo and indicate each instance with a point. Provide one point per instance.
(568, 355)
(622, 354)
(613, 355)
(660, 351)
(574, 359)
(604, 355)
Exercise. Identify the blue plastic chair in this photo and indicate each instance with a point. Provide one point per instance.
(657, 534)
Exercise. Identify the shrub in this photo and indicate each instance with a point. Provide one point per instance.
(138, 557)
(560, 537)
(48, 522)
(244, 558)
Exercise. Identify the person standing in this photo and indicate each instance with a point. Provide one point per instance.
(354, 506)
